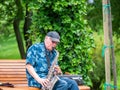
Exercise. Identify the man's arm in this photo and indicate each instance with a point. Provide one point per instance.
(43, 82)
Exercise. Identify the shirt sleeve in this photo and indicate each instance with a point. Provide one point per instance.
(31, 55)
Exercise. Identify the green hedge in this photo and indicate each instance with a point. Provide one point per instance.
(67, 18)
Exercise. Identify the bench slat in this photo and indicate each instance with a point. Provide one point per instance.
(15, 82)
(11, 64)
(13, 78)
(13, 67)
(12, 70)
(13, 75)
(11, 60)
(20, 88)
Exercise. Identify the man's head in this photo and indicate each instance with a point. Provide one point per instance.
(54, 36)
(51, 40)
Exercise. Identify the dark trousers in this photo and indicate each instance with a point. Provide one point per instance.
(66, 84)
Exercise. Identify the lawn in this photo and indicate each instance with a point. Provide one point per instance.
(9, 49)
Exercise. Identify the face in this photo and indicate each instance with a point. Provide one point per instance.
(49, 43)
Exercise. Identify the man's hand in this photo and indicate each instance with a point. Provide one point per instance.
(43, 82)
(57, 70)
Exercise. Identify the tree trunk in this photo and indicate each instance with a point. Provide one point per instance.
(106, 28)
(113, 53)
(26, 27)
(16, 22)
(19, 38)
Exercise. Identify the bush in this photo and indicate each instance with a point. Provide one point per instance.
(67, 18)
(97, 75)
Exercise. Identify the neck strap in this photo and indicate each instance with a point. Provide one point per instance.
(47, 57)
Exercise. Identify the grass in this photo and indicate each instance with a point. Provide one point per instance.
(9, 49)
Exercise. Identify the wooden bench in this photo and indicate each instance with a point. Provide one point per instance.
(13, 71)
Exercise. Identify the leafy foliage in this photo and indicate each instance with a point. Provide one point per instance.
(115, 8)
(94, 16)
(7, 9)
(67, 18)
(97, 74)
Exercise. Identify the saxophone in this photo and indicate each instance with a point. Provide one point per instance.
(51, 77)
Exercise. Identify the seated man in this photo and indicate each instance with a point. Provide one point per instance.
(39, 58)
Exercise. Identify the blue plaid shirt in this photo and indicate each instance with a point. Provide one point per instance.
(36, 56)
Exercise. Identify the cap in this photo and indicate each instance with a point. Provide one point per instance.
(54, 36)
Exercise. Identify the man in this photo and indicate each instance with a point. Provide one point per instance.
(39, 58)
